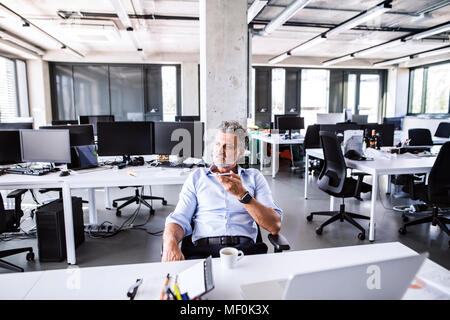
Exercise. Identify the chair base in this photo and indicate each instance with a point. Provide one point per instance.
(138, 199)
(7, 253)
(340, 215)
(435, 219)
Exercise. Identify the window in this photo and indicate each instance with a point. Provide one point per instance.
(314, 94)
(278, 91)
(369, 93)
(169, 92)
(13, 90)
(430, 89)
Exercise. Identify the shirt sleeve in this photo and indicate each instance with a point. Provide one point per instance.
(186, 206)
(263, 193)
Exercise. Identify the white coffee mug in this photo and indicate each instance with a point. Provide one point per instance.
(229, 256)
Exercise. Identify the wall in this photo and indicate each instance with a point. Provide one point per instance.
(39, 92)
(189, 89)
(422, 122)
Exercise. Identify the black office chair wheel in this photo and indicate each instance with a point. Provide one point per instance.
(118, 213)
(164, 202)
(362, 236)
(114, 204)
(30, 256)
(319, 231)
(152, 212)
(309, 218)
(402, 230)
(405, 218)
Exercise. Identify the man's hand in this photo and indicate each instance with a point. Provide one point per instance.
(232, 184)
(171, 252)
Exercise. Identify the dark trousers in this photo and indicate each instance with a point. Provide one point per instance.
(190, 251)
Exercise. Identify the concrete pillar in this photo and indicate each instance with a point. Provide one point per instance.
(223, 64)
(39, 92)
(189, 87)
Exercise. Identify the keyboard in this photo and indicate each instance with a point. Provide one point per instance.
(28, 171)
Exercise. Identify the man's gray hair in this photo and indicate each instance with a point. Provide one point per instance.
(237, 129)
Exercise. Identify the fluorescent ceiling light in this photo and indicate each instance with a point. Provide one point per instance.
(392, 61)
(433, 52)
(122, 13)
(377, 48)
(26, 45)
(72, 52)
(255, 8)
(430, 32)
(361, 18)
(284, 16)
(279, 58)
(337, 60)
(308, 44)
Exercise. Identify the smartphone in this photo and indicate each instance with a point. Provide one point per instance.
(224, 174)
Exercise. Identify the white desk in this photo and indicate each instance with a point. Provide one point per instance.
(101, 178)
(403, 164)
(112, 282)
(275, 140)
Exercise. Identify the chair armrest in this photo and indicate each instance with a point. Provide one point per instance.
(16, 193)
(279, 242)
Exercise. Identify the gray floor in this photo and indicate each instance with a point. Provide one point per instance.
(137, 246)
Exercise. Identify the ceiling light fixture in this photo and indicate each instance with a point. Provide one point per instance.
(308, 44)
(337, 60)
(430, 32)
(280, 58)
(255, 9)
(392, 61)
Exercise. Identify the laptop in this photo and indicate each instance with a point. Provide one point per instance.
(384, 279)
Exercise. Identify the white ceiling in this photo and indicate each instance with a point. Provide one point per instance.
(99, 36)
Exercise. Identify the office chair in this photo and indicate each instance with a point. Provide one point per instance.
(333, 180)
(436, 193)
(443, 130)
(10, 222)
(312, 140)
(138, 198)
(420, 137)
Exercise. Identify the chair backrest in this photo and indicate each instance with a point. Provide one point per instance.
(312, 138)
(443, 130)
(2, 216)
(439, 177)
(420, 137)
(333, 174)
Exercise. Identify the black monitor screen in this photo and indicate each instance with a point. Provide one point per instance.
(290, 123)
(95, 119)
(396, 121)
(10, 147)
(125, 138)
(169, 141)
(80, 135)
(187, 118)
(276, 116)
(16, 125)
(63, 122)
(385, 130)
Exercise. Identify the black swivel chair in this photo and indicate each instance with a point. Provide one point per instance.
(443, 130)
(436, 193)
(312, 140)
(420, 137)
(334, 181)
(10, 222)
(138, 198)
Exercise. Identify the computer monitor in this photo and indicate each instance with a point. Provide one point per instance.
(80, 135)
(396, 121)
(386, 132)
(360, 118)
(187, 118)
(10, 147)
(170, 140)
(95, 119)
(276, 116)
(330, 118)
(63, 122)
(45, 146)
(290, 123)
(16, 125)
(125, 138)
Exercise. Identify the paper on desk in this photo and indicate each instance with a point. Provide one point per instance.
(432, 282)
(192, 280)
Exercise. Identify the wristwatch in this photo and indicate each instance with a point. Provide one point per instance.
(246, 198)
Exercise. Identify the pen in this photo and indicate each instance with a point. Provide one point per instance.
(131, 173)
(164, 289)
(133, 289)
(177, 291)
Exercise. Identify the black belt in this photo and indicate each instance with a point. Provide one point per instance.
(225, 240)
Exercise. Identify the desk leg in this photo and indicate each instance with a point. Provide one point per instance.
(68, 224)
(261, 155)
(331, 203)
(306, 175)
(107, 199)
(253, 151)
(275, 159)
(389, 185)
(92, 209)
(373, 205)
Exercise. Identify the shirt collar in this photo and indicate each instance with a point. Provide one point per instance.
(240, 170)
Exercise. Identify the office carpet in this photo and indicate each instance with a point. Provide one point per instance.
(138, 246)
